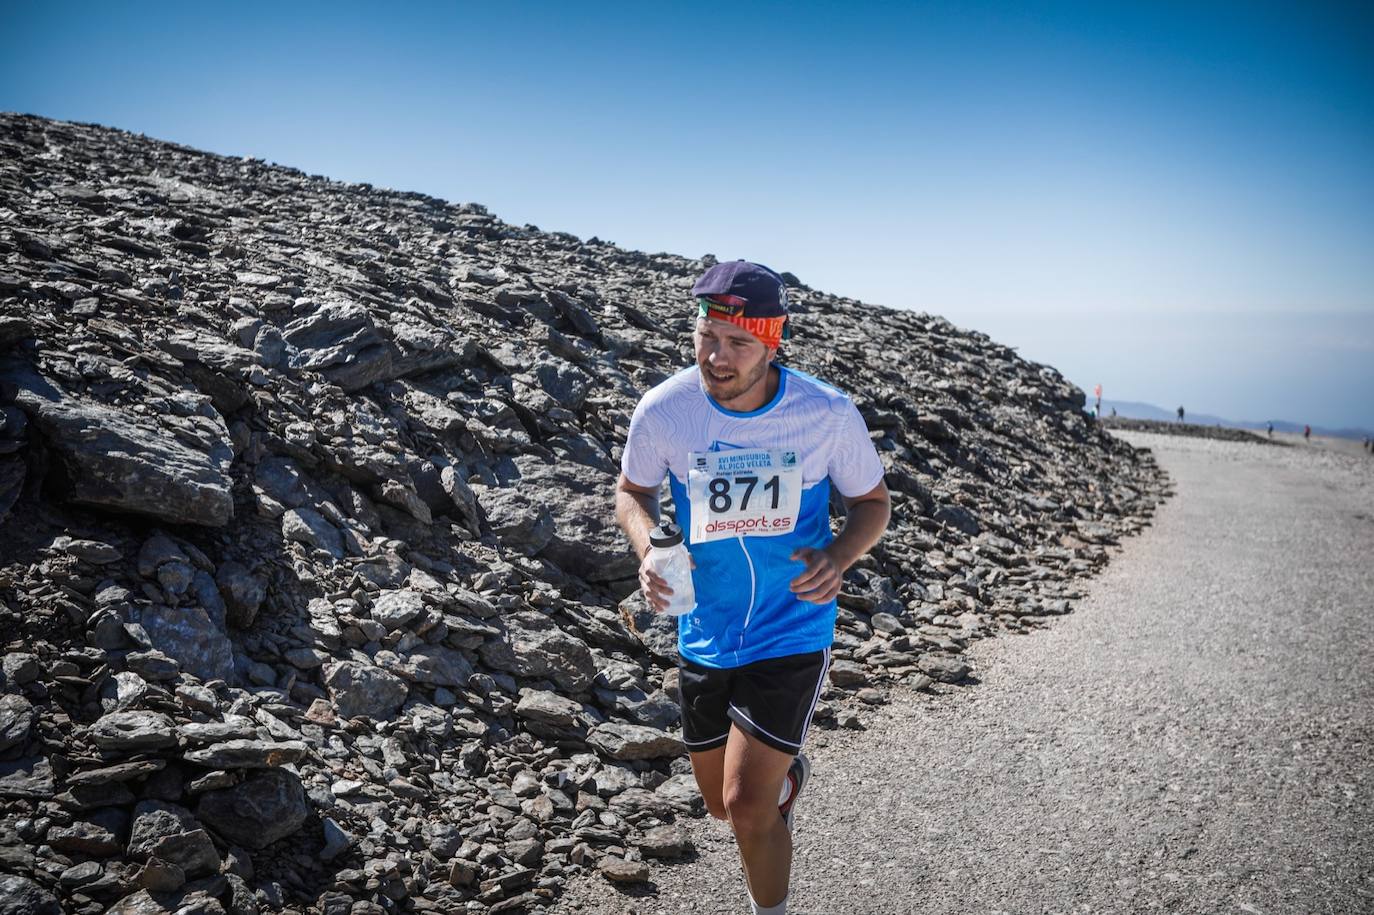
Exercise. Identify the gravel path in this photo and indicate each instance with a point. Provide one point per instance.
(1197, 737)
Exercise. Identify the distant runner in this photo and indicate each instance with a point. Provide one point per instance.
(1307, 433)
(1180, 414)
(751, 450)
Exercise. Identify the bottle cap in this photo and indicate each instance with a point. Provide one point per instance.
(665, 535)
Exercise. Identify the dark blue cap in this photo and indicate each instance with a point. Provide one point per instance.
(763, 291)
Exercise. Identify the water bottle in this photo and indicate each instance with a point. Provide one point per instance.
(668, 558)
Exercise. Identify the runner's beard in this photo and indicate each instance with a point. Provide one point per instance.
(736, 386)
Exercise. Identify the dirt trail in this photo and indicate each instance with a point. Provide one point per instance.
(1197, 737)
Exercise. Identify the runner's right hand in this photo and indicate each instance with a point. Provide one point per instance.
(656, 590)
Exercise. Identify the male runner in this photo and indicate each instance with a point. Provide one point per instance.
(751, 450)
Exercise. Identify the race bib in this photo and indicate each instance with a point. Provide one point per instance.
(750, 491)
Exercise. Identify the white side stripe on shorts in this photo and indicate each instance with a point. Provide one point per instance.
(790, 743)
(820, 684)
(702, 743)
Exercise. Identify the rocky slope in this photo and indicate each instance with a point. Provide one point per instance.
(311, 597)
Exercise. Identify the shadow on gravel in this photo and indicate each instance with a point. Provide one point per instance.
(638, 890)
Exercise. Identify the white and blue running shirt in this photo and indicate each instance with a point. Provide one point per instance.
(759, 483)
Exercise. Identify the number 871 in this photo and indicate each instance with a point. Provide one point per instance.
(720, 489)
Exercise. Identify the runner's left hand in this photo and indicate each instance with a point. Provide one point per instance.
(821, 580)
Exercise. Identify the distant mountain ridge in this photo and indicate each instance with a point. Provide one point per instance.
(1133, 409)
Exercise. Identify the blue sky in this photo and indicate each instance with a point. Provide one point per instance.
(1173, 199)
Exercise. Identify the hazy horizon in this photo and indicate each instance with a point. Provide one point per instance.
(1174, 201)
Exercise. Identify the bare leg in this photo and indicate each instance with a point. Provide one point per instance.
(709, 769)
(754, 774)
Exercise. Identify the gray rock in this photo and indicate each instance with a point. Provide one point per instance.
(188, 635)
(307, 526)
(248, 754)
(1095, 531)
(394, 609)
(269, 347)
(197, 698)
(535, 646)
(154, 821)
(20, 667)
(206, 594)
(114, 462)
(385, 571)
(267, 806)
(576, 314)
(847, 673)
(632, 741)
(152, 665)
(281, 479)
(22, 896)
(425, 347)
(97, 837)
(123, 691)
(548, 708)
(681, 792)
(233, 727)
(521, 520)
(637, 802)
(157, 551)
(241, 898)
(90, 797)
(175, 579)
(402, 495)
(245, 330)
(80, 874)
(337, 840)
(120, 772)
(30, 776)
(613, 780)
(304, 658)
(362, 690)
(93, 551)
(618, 870)
(131, 731)
(161, 876)
(586, 540)
(16, 721)
(886, 622)
(960, 518)
(943, 667)
(653, 710)
(562, 381)
(435, 665)
(192, 851)
(524, 852)
(243, 593)
(667, 841)
(340, 341)
(462, 497)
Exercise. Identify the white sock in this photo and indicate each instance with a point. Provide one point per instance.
(779, 909)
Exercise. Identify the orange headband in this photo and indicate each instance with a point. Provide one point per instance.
(767, 330)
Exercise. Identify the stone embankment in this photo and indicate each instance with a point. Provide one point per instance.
(1191, 430)
(311, 598)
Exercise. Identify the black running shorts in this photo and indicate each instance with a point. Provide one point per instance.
(772, 700)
